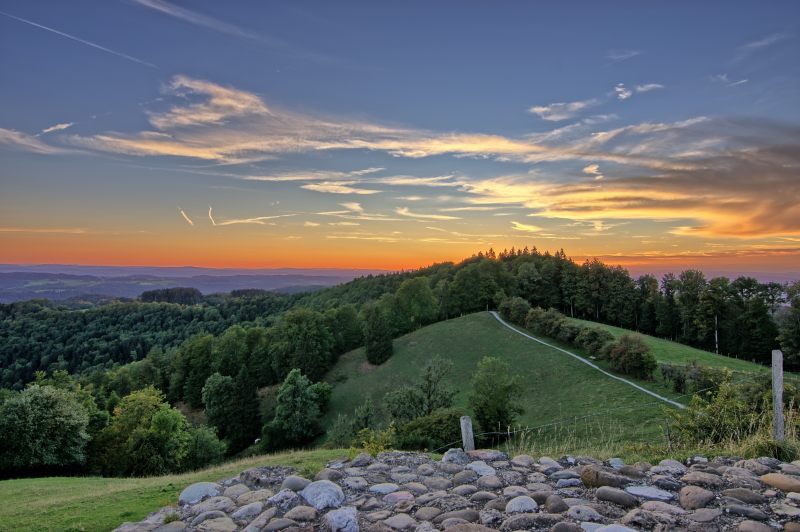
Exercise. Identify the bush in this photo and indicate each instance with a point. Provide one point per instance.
(429, 393)
(438, 429)
(377, 334)
(374, 441)
(593, 339)
(568, 332)
(495, 394)
(299, 407)
(693, 377)
(204, 448)
(533, 318)
(515, 310)
(631, 356)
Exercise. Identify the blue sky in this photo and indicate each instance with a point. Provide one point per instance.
(396, 134)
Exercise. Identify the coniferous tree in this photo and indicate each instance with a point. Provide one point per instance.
(377, 334)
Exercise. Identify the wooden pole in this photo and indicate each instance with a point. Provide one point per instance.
(777, 395)
(467, 439)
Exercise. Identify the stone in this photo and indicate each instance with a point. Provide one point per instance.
(584, 513)
(554, 504)
(342, 520)
(650, 493)
(253, 496)
(398, 496)
(248, 511)
(666, 483)
(791, 527)
(694, 497)
(172, 526)
(491, 455)
(640, 518)
(284, 500)
(745, 495)
(468, 515)
(631, 471)
(753, 526)
(467, 527)
(491, 482)
(355, 483)
(529, 521)
(223, 504)
(594, 477)
(235, 491)
(482, 496)
(614, 528)
(616, 496)
(481, 468)
(465, 490)
(279, 523)
(755, 466)
(301, 513)
(699, 478)
(220, 524)
(782, 482)
(616, 463)
(465, 477)
(261, 521)
(568, 483)
(662, 507)
(323, 494)
(362, 460)
(329, 474)
(400, 522)
(514, 491)
(523, 460)
(746, 511)
(456, 456)
(426, 470)
(566, 526)
(378, 516)
(212, 514)
(672, 467)
(437, 483)
(786, 510)
(564, 473)
(415, 488)
(427, 513)
(521, 504)
(705, 515)
(384, 488)
(194, 493)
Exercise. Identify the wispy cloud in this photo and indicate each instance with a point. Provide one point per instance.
(517, 226)
(353, 206)
(24, 142)
(310, 224)
(405, 211)
(56, 127)
(593, 170)
(257, 220)
(725, 80)
(186, 216)
(622, 92)
(45, 230)
(78, 39)
(757, 45)
(338, 187)
(647, 87)
(622, 54)
(558, 111)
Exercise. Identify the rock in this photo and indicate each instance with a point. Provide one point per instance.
(616, 496)
(172, 526)
(467, 515)
(631, 471)
(301, 513)
(329, 474)
(427, 513)
(465, 477)
(220, 524)
(342, 520)
(284, 500)
(253, 496)
(362, 460)
(426, 470)
(594, 477)
(564, 473)
(528, 521)
(755, 466)
(456, 456)
(746, 511)
(384, 488)
(261, 521)
(491, 455)
(791, 527)
(248, 511)
(467, 527)
(650, 493)
(482, 496)
(521, 504)
(705, 515)
(355, 483)
(235, 491)
(323, 494)
(753, 526)
(640, 518)
(666, 483)
(378, 516)
(699, 478)
(465, 490)
(491, 482)
(786, 510)
(398, 496)
(584, 513)
(566, 526)
(671, 467)
(694, 497)
(614, 528)
(400, 522)
(616, 463)
(437, 483)
(662, 507)
(523, 460)
(213, 514)
(568, 483)
(514, 491)
(198, 491)
(223, 504)
(745, 495)
(782, 482)
(279, 523)
(481, 468)
(554, 504)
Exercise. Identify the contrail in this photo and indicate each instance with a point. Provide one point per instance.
(77, 39)
(210, 217)
(186, 217)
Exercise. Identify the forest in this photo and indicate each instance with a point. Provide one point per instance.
(177, 380)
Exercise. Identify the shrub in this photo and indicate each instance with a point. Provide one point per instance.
(495, 394)
(533, 318)
(568, 332)
(377, 334)
(204, 448)
(374, 441)
(693, 377)
(592, 340)
(515, 310)
(631, 356)
(440, 428)
(429, 393)
(299, 407)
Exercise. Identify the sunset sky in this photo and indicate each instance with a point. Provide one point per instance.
(364, 134)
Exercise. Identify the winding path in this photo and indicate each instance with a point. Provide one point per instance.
(588, 363)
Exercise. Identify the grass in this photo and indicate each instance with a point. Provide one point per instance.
(102, 504)
(556, 387)
(675, 353)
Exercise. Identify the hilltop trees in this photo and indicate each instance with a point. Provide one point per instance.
(495, 392)
(300, 405)
(377, 334)
(301, 341)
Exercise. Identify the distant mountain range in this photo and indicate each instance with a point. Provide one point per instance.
(59, 282)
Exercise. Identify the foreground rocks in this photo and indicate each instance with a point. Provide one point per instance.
(487, 490)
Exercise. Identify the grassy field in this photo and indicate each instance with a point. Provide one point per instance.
(101, 504)
(557, 388)
(675, 353)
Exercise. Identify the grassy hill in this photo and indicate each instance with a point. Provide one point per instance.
(593, 411)
(101, 504)
(675, 353)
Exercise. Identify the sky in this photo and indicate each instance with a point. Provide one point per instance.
(656, 135)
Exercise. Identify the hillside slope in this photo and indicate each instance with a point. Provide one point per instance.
(557, 388)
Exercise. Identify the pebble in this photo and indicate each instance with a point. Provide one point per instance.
(650, 493)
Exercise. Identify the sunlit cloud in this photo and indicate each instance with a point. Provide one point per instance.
(310, 224)
(186, 217)
(622, 92)
(23, 142)
(258, 220)
(405, 211)
(593, 170)
(56, 127)
(555, 112)
(517, 226)
(647, 87)
(353, 206)
(338, 187)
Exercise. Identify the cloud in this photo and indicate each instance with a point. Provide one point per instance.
(647, 87)
(555, 112)
(82, 41)
(764, 42)
(310, 224)
(45, 230)
(623, 93)
(723, 78)
(29, 143)
(622, 55)
(404, 211)
(338, 187)
(258, 220)
(186, 217)
(56, 127)
(211, 216)
(593, 170)
(352, 206)
(343, 223)
(517, 226)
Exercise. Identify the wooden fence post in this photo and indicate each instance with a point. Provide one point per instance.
(467, 439)
(777, 395)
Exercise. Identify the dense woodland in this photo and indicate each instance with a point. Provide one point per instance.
(177, 380)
